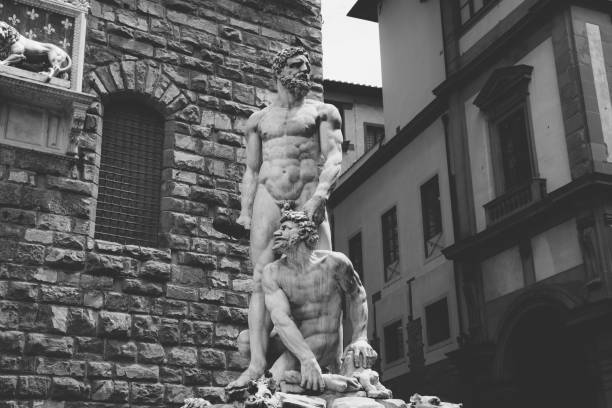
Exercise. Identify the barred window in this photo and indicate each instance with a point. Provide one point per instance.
(130, 174)
(432, 216)
(390, 244)
(470, 8)
(372, 135)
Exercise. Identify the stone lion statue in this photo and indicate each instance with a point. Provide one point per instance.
(21, 49)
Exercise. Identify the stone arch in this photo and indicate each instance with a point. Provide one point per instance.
(156, 83)
(539, 359)
(550, 296)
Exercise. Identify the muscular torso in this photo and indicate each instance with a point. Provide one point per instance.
(315, 300)
(290, 150)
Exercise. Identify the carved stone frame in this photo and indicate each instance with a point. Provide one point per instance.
(78, 10)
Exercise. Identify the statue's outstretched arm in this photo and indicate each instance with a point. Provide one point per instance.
(357, 311)
(248, 187)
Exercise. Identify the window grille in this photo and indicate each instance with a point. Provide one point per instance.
(130, 174)
(372, 134)
(432, 215)
(390, 244)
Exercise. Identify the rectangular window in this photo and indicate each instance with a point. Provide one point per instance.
(394, 341)
(390, 244)
(432, 216)
(372, 135)
(513, 161)
(469, 8)
(355, 254)
(438, 323)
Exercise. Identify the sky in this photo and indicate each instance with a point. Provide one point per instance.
(350, 46)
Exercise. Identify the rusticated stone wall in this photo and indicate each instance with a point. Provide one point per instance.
(90, 323)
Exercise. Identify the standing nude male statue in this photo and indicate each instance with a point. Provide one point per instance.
(304, 291)
(286, 144)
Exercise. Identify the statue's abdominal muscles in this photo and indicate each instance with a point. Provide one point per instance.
(289, 168)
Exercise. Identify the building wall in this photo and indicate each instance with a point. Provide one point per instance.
(398, 183)
(104, 324)
(547, 128)
(483, 26)
(363, 109)
(411, 48)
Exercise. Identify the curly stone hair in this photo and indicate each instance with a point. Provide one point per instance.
(11, 37)
(307, 228)
(281, 58)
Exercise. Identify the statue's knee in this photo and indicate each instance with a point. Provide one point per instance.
(243, 343)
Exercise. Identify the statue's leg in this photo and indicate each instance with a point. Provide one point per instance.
(266, 216)
(284, 363)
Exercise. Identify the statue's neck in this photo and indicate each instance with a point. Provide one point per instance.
(286, 98)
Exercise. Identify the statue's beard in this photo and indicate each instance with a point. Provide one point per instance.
(282, 246)
(298, 85)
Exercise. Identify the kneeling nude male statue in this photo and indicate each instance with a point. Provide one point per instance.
(293, 156)
(303, 291)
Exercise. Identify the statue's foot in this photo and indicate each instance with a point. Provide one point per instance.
(250, 374)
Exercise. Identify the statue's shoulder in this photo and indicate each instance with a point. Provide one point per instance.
(327, 111)
(332, 256)
(256, 118)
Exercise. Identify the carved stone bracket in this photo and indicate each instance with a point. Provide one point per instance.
(40, 116)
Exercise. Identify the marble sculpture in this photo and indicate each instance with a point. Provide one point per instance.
(294, 341)
(21, 49)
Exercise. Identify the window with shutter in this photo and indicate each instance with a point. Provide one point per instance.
(130, 174)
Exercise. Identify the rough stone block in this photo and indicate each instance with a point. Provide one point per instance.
(145, 328)
(169, 332)
(8, 386)
(65, 388)
(22, 291)
(156, 271)
(150, 353)
(62, 367)
(110, 391)
(197, 376)
(171, 374)
(137, 372)
(52, 346)
(226, 335)
(106, 264)
(203, 311)
(211, 358)
(215, 395)
(139, 287)
(182, 356)
(82, 322)
(99, 369)
(29, 387)
(120, 351)
(146, 394)
(65, 258)
(60, 294)
(12, 342)
(176, 394)
(114, 325)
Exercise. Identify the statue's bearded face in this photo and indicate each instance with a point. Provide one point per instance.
(295, 75)
(286, 237)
